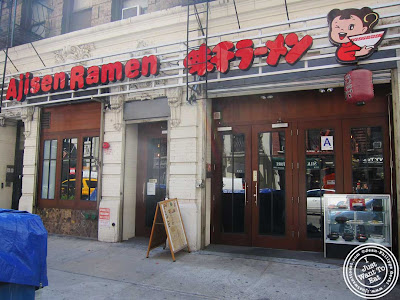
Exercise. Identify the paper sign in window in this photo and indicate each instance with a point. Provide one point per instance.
(151, 188)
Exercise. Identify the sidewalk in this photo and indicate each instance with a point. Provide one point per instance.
(87, 269)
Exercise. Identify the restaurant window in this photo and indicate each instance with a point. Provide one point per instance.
(49, 169)
(69, 174)
(69, 156)
(90, 158)
(68, 170)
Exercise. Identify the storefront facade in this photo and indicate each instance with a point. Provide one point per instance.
(282, 141)
(244, 158)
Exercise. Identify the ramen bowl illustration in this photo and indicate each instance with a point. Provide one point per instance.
(369, 40)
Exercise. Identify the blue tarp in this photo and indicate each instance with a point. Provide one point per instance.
(23, 248)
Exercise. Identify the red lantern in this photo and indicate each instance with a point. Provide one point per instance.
(358, 86)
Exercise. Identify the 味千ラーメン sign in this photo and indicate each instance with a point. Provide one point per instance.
(81, 77)
(203, 60)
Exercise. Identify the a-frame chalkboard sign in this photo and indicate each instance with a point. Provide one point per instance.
(168, 224)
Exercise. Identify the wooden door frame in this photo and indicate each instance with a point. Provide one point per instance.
(288, 240)
(216, 209)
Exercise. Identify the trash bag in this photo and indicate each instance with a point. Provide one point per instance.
(23, 248)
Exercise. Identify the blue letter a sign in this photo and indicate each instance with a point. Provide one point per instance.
(326, 143)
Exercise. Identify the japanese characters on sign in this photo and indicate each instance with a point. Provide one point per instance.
(351, 31)
(204, 60)
(358, 86)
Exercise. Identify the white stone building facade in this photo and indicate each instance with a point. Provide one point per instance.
(189, 126)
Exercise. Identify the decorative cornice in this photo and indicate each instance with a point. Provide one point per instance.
(73, 53)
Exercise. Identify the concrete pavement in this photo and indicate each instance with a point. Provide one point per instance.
(88, 269)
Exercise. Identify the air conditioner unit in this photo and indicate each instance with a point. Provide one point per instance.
(132, 11)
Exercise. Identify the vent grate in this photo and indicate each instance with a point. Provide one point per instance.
(45, 120)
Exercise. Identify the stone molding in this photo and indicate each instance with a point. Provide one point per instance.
(116, 105)
(175, 96)
(27, 118)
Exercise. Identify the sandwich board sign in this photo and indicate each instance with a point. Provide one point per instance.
(168, 225)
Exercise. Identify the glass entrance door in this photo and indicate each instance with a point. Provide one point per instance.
(269, 184)
(151, 173)
(232, 209)
(251, 187)
(272, 220)
(320, 172)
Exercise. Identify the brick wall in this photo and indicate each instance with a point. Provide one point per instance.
(101, 12)
(55, 17)
(155, 5)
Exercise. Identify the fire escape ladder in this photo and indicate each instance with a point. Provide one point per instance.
(197, 22)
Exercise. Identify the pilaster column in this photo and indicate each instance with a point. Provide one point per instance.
(396, 133)
(31, 118)
(112, 187)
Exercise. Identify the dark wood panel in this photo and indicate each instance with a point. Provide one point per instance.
(82, 116)
(302, 105)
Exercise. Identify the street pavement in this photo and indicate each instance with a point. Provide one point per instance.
(88, 269)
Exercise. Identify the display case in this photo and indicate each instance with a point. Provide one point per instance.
(354, 219)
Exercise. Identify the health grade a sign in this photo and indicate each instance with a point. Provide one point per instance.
(199, 62)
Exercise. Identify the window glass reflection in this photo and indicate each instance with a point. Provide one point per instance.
(89, 168)
(49, 169)
(156, 176)
(271, 178)
(233, 181)
(367, 160)
(68, 169)
(320, 176)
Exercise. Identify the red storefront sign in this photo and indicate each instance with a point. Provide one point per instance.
(81, 77)
(198, 61)
(205, 60)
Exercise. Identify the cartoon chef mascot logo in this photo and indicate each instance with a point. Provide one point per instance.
(351, 30)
